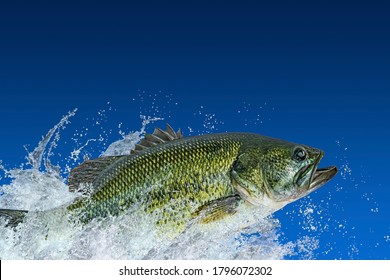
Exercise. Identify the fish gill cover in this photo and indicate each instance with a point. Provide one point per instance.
(39, 184)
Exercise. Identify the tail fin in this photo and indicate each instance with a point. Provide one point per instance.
(14, 217)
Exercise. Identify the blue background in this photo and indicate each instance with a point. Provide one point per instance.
(317, 72)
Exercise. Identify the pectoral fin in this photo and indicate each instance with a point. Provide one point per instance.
(217, 209)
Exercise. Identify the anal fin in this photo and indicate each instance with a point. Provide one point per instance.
(217, 209)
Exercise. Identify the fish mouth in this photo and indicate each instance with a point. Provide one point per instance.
(321, 176)
(315, 180)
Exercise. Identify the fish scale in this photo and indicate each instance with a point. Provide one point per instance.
(181, 175)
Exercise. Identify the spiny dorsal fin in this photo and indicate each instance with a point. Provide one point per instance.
(88, 171)
(158, 136)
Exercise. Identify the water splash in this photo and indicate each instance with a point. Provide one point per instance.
(35, 157)
(210, 122)
(127, 143)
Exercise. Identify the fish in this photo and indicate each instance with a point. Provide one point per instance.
(205, 178)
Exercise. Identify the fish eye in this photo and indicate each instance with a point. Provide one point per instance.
(300, 154)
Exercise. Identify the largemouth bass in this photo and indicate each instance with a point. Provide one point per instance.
(205, 178)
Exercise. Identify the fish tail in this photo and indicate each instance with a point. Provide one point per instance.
(13, 217)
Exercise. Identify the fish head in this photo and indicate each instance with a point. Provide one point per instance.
(276, 173)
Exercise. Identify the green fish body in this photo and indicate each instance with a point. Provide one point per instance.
(177, 180)
(172, 180)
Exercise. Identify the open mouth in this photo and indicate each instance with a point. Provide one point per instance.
(321, 176)
(316, 179)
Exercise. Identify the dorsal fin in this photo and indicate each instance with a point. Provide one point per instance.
(158, 136)
(88, 171)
